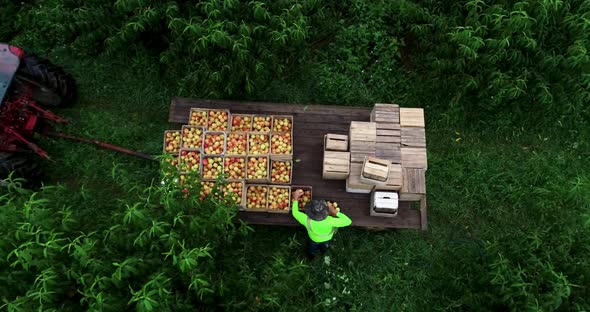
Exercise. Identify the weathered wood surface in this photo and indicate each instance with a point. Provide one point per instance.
(311, 123)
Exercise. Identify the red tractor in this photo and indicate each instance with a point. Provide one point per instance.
(28, 85)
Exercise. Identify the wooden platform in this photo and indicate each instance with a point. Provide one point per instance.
(311, 123)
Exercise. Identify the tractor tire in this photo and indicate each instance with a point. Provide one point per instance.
(22, 166)
(52, 86)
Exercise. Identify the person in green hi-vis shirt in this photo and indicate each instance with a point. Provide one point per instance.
(320, 220)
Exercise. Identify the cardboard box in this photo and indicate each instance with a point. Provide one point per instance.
(211, 120)
(278, 118)
(264, 128)
(255, 142)
(170, 146)
(285, 190)
(281, 154)
(304, 199)
(238, 197)
(241, 122)
(185, 167)
(233, 141)
(272, 177)
(198, 117)
(250, 178)
(191, 133)
(233, 161)
(214, 161)
(263, 196)
(211, 149)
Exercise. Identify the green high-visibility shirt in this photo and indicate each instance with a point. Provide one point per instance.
(320, 231)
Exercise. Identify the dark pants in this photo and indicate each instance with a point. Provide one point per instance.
(313, 247)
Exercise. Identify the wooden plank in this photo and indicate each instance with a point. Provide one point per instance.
(411, 117)
(414, 157)
(311, 123)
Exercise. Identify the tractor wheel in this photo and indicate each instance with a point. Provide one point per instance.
(52, 86)
(22, 166)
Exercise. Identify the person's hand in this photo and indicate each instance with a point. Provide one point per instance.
(297, 194)
(332, 210)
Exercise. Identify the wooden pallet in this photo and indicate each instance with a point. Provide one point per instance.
(311, 124)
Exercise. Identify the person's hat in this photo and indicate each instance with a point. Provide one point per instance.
(317, 210)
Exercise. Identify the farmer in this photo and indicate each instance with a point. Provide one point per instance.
(320, 227)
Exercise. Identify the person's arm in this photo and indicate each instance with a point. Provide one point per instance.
(341, 220)
(298, 215)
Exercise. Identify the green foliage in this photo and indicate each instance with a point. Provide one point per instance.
(158, 254)
(495, 63)
(509, 212)
(216, 48)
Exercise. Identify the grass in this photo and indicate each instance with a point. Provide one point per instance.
(509, 209)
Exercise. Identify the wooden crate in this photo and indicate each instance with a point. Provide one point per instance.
(335, 165)
(385, 107)
(265, 129)
(181, 160)
(375, 169)
(212, 191)
(239, 197)
(271, 177)
(411, 117)
(258, 180)
(243, 125)
(413, 137)
(302, 202)
(276, 118)
(271, 209)
(414, 157)
(225, 125)
(169, 147)
(389, 151)
(394, 180)
(354, 183)
(257, 135)
(247, 195)
(229, 150)
(206, 144)
(202, 123)
(362, 140)
(335, 142)
(413, 185)
(183, 141)
(362, 131)
(204, 167)
(288, 155)
(229, 161)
